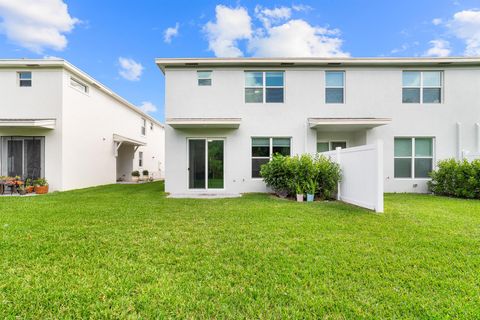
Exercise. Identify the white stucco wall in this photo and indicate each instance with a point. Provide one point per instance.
(370, 92)
(42, 100)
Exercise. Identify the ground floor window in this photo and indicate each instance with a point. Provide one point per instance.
(23, 157)
(140, 159)
(264, 148)
(413, 157)
(324, 146)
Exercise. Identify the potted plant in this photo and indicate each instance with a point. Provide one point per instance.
(311, 189)
(41, 186)
(145, 175)
(135, 176)
(21, 190)
(299, 192)
(29, 185)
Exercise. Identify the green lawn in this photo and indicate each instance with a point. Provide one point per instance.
(127, 251)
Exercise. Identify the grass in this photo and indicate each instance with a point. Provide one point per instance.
(126, 251)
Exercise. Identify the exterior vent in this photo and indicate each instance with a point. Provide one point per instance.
(191, 64)
(334, 63)
(287, 64)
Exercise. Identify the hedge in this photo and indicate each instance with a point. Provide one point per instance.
(456, 179)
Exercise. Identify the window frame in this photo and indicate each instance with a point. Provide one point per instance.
(143, 128)
(270, 151)
(210, 78)
(421, 86)
(413, 157)
(330, 144)
(264, 86)
(19, 79)
(140, 159)
(336, 87)
(87, 89)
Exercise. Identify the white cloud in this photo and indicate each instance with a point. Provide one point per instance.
(439, 48)
(278, 35)
(465, 25)
(437, 21)
(36, 24)
(147, 107)
(231, 25)
(297, 38)
(130, 69)
(170, 33)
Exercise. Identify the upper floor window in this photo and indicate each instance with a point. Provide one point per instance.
(422, 87)
(330, 145)
(151, 125)
(264, 86)
(264, 148)
(144, 125)
(204, 78)
(24, 79)
(334, 87)
(413, 157)
(78, 85)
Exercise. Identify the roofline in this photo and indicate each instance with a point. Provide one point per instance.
(164, 63)
(64, 64)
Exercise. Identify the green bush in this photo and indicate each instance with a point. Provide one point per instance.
(456, 179)
(136, 173)
(302, 174)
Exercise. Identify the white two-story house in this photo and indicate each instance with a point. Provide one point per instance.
(58, 123)
(226, 117)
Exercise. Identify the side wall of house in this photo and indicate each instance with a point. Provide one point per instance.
(43, 100)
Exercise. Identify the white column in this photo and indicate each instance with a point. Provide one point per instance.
(459, 141)
(339, 161)
(379, 182)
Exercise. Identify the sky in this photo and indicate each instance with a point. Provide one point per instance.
(117, 42)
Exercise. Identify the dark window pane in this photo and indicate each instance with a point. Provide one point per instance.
(322, 146)
(341, 144)
(274, 95)
(432, 95)
(204, 82)
(14, 158)
(274, 79)
(256, 164)
(422, 168)
(253, 95)
(403, 168)
(403, 147)
(33, 158)
(411, 95)
(196, 164)
(334, 95)
(215, 164)
(25, 83)
(284, 151)
(260, 151)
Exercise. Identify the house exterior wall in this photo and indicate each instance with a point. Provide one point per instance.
(369, 92)
(80, 151)
(43, 100)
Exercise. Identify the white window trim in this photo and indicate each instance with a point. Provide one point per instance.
(270, 151)
(421, 87)
(264, 87)
(87, 88)
(206, 164)
(336, 87)
(413, 157)
(18, 78)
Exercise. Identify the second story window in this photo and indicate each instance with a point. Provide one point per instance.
(78, 85)
(144, 125)
(204, 78)
(334, 86)
(24, 79)
(264, 86)
(422, 87)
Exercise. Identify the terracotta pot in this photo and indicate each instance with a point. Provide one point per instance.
(29, 189)
(41, 189)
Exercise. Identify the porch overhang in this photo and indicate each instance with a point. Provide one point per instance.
(346, 124)
(121, 140)
(204, 123)
(28, 123)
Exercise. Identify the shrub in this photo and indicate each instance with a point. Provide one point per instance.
(136, 173)
(456, 179)
(300, 174)
(41, 182)
(145, 172)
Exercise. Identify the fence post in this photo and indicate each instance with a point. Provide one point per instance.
(339, 161)
(379, 182)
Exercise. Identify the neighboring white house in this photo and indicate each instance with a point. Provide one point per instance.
(59, 123)
(226, 117)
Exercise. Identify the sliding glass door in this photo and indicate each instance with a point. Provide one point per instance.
(205, 163)
(23, 157)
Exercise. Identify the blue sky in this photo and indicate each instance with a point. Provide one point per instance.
(101, 36)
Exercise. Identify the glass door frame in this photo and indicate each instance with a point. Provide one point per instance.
(4, 153)
(206, 139)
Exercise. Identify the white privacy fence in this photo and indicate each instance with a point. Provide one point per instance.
(470, 156)
(362, 175)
